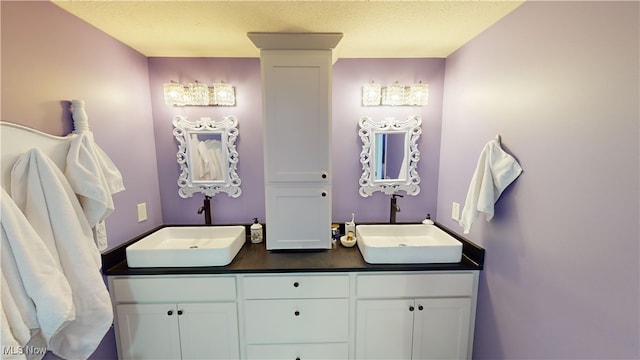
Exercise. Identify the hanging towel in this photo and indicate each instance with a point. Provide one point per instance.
(94, 178)
(35, 292)
(496, 169)
(42, 192)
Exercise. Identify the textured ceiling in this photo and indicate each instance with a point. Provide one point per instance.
(372, 29)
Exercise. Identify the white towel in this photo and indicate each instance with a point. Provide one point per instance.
(34, 289)
(42, 192)
(94, 178)
(496, 169)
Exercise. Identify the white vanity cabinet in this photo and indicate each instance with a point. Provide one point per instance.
(415, 316)
(176, 317)
(307, 315)
(296, 316)
(296, 88)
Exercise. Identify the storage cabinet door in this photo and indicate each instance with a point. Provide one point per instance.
(298, 218)
(297, 115)
(441, 328)
(384, 329)
(148, 331)
(209, 331)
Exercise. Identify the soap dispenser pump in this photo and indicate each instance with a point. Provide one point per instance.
(427, 220)
(256, 231)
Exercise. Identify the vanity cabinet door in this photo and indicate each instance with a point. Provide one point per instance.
(441, 328)
(208, 331)
(436, 329)
(182, 331)
(148, 331)
(298, 218)
(384, 329)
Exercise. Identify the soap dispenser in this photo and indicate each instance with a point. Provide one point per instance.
(256, 231)
(427, 220)
(350, 227)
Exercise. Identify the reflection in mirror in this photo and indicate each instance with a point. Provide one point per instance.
(207, 156)
(390, 155)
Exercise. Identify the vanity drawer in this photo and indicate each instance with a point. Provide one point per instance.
(173, 289)
(414, 285)
(296, 287)
(296, 321)
(335, 351)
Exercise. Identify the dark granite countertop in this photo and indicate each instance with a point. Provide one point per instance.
(254, 258)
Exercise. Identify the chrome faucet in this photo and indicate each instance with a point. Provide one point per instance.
(206, 209)
(394, 208)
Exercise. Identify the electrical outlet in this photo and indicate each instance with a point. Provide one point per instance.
(455, 211)
(142, 212)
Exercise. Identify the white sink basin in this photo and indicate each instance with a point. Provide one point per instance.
(407, 244)
(184, 246)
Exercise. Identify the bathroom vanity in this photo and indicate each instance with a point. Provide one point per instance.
(327, 304)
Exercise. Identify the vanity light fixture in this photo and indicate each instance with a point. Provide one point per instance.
(395, 95)
(199, 94)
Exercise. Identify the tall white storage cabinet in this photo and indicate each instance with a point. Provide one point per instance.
(296, 86)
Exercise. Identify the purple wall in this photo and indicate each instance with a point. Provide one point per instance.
(559, 82)
(49, 56)
(348, 77)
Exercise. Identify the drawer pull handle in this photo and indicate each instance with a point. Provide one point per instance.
(411, 308)
(179, 312)
(297, 313)
(170, 312)
(420, 307)
(296, 284)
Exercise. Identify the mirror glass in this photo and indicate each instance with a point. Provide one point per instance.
(390, 155)
(207, 156)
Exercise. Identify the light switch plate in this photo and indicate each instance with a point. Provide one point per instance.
(455, 211)
(142, 212)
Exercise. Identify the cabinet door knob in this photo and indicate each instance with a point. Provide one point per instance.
(170, 312)
(411, 308)
(296, 313)
(324, 193)
(324, 175)
(420, 307)
(179, 312)
(296, 284)
(298, 358)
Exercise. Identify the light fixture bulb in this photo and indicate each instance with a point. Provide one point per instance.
(418, 94)
(371, 94)
(394, 95)
(174, 94)
(224, 94)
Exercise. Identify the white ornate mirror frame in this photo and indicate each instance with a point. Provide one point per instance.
(409, 179)
(215, 142)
